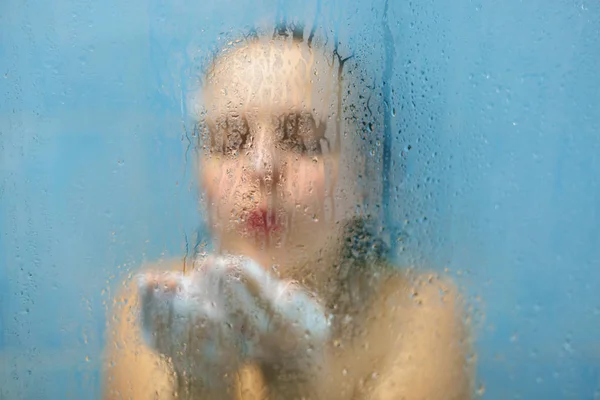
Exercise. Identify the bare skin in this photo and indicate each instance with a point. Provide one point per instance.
(406, 340)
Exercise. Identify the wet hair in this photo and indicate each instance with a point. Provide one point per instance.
(289, 125)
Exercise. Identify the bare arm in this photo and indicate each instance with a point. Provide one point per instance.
(131, 369)
(431, 358)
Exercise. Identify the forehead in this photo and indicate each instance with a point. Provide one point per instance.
(270, 77)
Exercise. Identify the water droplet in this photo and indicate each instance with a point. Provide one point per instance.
(480, 390)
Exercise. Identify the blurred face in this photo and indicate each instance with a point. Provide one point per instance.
(270, 169)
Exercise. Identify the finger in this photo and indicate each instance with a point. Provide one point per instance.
(256, 278)
(170, 282)
(152, 282)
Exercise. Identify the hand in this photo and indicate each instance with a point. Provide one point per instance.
(183, 317)
(227, 311)
(292, 324)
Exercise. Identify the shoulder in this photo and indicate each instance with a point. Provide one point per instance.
(430, 339)
(429, 291)
(425, 309)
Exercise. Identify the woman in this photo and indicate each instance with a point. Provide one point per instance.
(298, 301)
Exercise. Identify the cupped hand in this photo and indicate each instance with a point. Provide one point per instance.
(227, 311)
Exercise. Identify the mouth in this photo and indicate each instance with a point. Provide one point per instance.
(262, 220)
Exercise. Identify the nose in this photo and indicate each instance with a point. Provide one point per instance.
(265, 162)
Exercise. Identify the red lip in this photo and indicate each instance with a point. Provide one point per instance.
(263, 220)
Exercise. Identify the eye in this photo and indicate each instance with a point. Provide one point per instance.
(216, 132)
(311, 134)
(230, 134)
(298, 133)
(238, 137)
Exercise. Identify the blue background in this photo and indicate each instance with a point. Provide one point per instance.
(498, 100)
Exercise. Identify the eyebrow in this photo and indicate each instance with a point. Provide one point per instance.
(223, 124)
(317, 132)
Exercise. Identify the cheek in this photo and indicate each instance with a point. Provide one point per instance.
(218, 178)
(225, 184)
(308, 182)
